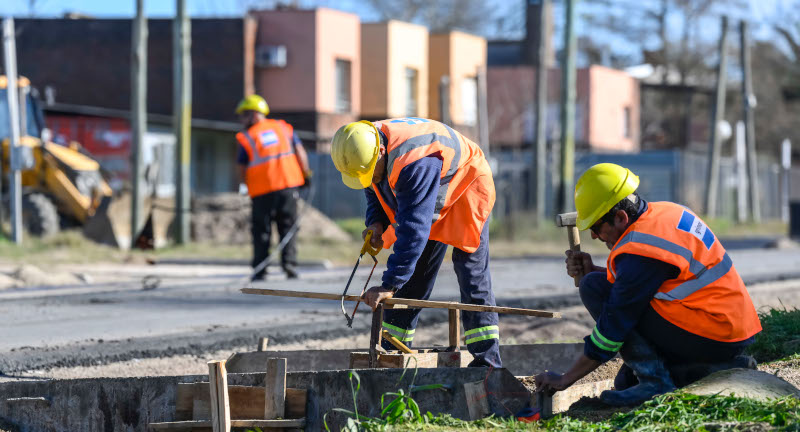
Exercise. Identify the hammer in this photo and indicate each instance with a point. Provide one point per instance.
(568, 220)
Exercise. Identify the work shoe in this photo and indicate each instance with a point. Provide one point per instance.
(291, 272)
(650, 371)
(687, 373)
(258, 277)
(625, 378)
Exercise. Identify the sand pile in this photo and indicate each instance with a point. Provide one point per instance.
(31, 276)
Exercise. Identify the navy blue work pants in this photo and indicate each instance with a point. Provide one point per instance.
(674, 344)
(481, 329)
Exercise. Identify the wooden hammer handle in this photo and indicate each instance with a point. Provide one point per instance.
(575, 245)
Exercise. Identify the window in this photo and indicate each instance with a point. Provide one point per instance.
(342, 86)
(469, 101)
(626, 122)
(411, 92)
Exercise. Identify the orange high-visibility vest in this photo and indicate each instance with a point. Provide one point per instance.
(708, 298)
(273, 164)
(466, 189)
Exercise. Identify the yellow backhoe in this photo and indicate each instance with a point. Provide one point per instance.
(62, 186)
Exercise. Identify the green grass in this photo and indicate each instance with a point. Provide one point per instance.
(677, 411)
(780, 337)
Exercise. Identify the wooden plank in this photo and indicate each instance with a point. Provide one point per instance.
(246, 402)
(396, 342)
(275, 388)
(477, 400)
(454, 322)
(375, 335)
(191, 424)
(218, 395)
(360, 360)
(407, 302)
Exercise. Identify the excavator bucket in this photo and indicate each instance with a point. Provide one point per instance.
(110, 224)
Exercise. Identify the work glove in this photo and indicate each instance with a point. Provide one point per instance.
(242, 189)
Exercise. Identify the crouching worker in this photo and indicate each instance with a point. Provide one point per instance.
(427, 187)
(669, 301)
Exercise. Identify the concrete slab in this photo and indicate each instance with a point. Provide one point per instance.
(129, 404)
(520, 360)
(745, 383)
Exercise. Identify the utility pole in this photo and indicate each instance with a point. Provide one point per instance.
(483, 111)
(444, 99)
(568, 109)
(138, 116)
(539, 160)
(15, 162)
(786, 166)
(749, 102)
(741, 174)
(182, 118)
(717, 115)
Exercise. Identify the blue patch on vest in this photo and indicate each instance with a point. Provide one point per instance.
(410, 120)
(697, 228)
(268, 138)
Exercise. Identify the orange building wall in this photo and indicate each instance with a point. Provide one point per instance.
(374, 70)
(610, 92)
(458, 55)
(338, 35)
(408, 47)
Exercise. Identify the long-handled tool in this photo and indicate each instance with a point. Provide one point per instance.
(367, 248)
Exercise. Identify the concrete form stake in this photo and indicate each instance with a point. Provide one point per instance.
(15, 186)
(182, 118)
(786, 166)
(138, 115)
(749, 103)
(717, 115)
(568, 110)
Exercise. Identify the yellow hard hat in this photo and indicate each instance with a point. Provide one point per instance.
(253, 102)
(599, 189)
(354, 151)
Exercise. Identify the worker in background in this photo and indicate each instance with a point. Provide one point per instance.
(669, 301)
(272, 164)
(427, 187)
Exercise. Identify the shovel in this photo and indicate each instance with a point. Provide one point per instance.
(367, 248)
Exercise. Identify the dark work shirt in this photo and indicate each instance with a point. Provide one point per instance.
(416, 190)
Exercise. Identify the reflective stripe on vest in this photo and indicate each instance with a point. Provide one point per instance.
(703, 276)
(422, 140)
(257, 159)
(481, 334)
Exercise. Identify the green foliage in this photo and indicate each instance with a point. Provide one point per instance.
(780, 336)
(352, 226)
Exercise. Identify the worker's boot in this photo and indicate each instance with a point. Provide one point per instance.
(291, 271)
(625, 378)
(653, 376)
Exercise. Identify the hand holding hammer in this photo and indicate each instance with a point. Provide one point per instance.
(568, 220)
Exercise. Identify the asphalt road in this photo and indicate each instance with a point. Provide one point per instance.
(198, 308)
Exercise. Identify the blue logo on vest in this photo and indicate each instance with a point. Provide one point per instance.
(268, 138)
(410, 120)
(694, 226)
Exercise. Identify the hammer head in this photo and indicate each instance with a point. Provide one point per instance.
(566, 219)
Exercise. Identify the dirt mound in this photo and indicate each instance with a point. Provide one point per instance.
(225, 219)
(746, 383)
(29, 276)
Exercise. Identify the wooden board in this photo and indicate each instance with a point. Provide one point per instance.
(275, 389)
(197, 424)
(246, 402)
(218, 397)
(477, 400)
(360, 360)
(406, 302)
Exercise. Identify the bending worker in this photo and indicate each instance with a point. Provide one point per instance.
(427, 187)
(272, 164)
(669, 301)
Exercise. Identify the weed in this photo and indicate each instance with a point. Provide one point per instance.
(780, 337)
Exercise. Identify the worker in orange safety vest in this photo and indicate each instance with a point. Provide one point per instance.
(272, 166)
(427, 187)
(669, 300)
